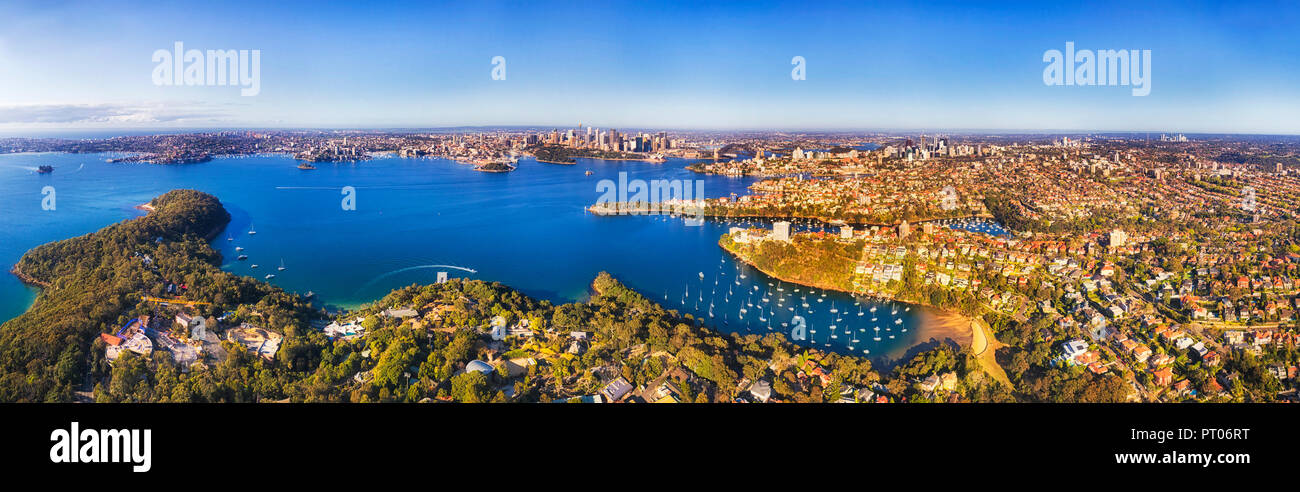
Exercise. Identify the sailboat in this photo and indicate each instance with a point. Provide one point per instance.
(251, 232)
(281, 268)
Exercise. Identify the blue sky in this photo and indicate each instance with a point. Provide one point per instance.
(870, 65)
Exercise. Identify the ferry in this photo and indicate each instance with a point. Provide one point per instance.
(242, 257)
(45, 170)
(306, 166)
(270, 276)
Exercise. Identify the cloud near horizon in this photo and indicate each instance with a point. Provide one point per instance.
(62, 114)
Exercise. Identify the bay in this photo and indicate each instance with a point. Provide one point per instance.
(527, 229)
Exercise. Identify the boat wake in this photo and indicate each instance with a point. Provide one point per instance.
(376, 280)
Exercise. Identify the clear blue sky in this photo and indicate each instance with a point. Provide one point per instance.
(878, 65)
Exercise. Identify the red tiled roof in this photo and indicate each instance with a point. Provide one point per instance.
(110, 339)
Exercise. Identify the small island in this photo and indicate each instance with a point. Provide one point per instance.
(495, 167)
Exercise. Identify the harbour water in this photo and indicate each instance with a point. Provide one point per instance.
(416, 217)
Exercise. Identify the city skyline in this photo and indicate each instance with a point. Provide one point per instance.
(944, 66)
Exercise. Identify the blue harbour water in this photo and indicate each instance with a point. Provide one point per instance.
(415, 217)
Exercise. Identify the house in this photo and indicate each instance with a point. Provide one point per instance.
(1200, 349)
(930, 383)
(1234, 337)
(1141, 353)
(1211, 358)
(346, 331)
(948, 381)
(616, 389)
(866, 395)
(1263, 337)
(1163, 376)
(1278, 371)
(1074, 348)
(761, 391)
(1098, 368)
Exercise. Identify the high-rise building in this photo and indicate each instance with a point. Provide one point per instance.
(781, 231)
(904, 229)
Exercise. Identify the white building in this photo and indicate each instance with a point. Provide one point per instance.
(781, 231)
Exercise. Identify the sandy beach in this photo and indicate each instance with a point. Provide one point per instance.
(942, 325)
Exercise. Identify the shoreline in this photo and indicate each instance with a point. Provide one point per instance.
(27, 279)
(936, 323)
